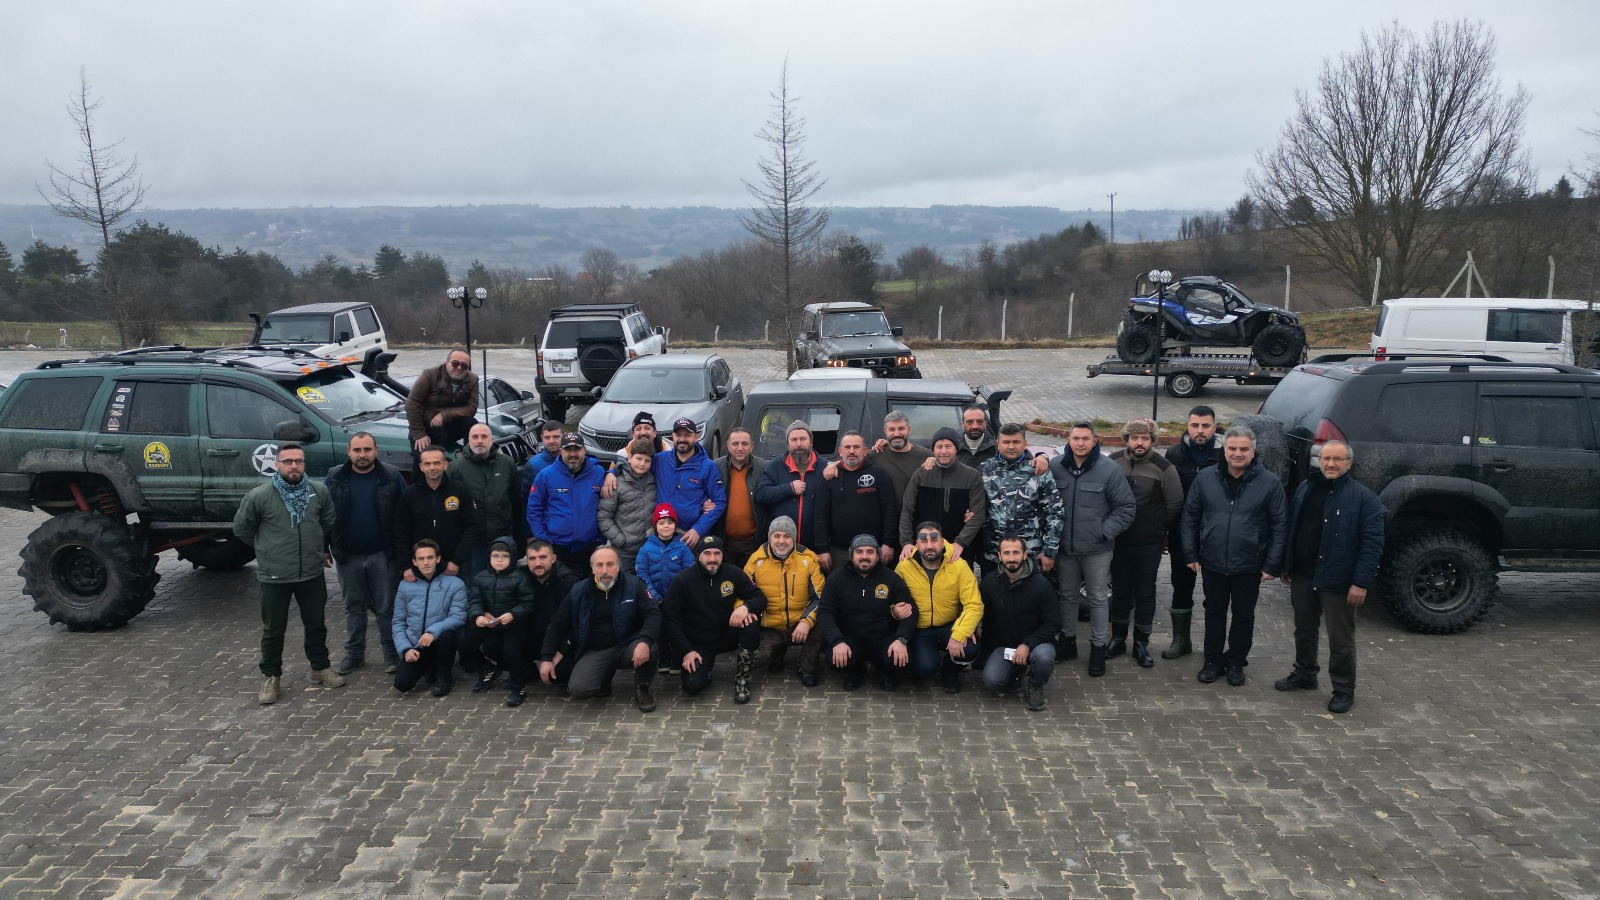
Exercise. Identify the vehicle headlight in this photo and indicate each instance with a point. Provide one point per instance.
(906, 360)
(835, 364)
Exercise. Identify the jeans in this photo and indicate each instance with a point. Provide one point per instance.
(1090, 572)
(593, 670)
(1228, 643)
(1311, 608)
(438, 660)
(311, 596)
(928, 650)
(369, 583)
(998, 672)
(1133, 584)
(746, 638)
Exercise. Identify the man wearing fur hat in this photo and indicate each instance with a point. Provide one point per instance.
(1158, 498)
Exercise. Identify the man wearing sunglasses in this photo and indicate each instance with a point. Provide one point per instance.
(443, 402)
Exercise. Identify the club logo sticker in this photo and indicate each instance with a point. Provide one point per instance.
(311, 395)
(265, 459)
(157, 456)
(727, 589)
(452, 503)
(881, 592)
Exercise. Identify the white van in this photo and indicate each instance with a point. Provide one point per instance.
(1516, 329)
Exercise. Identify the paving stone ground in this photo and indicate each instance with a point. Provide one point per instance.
(137, 763)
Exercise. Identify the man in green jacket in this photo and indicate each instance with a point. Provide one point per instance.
(287, 521)
(492, 478)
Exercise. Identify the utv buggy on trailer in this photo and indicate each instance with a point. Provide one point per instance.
(1204, 311)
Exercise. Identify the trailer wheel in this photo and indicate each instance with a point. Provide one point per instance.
(1183, 384)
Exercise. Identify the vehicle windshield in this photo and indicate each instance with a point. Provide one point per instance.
(658, 384)
(343, 397)
(297, 330)
(850, 324)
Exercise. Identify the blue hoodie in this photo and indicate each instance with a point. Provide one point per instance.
(563, 508)
(687, 485)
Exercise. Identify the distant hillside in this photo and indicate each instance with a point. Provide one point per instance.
(533, 237)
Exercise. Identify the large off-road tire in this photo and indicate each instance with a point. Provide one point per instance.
(224, 554)
(1279, 345)
(600, 361)
(1138, 343)
(1438, 580)
(88, 571)
(1272, 448)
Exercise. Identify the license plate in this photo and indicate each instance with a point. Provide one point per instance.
(561, 367)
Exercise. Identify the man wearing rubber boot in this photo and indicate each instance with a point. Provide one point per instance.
(1195, 451)
(712, 608)
(1158, 494)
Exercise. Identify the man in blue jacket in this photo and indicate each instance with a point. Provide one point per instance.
(429, 612)
(564, 504)
(686, 478)
(1334, 544)
(549, 453)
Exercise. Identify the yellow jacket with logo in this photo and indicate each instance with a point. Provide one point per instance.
(793, 586)
(951, 595)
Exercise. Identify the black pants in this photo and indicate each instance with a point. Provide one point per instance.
(1133, 584)
(437, 659)
(1228, 643)
(1311, 608)
(452, 432)
(1183, 577)
(576, 558)
(746, 638)
(312, 597)
(592, 672)
(864, 650)
(736, 552)
(502, 645)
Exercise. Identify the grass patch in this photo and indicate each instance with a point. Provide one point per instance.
(1341, 327)
(102, 335)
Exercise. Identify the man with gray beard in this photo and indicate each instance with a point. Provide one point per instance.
(492, 478)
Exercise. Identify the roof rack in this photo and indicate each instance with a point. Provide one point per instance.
(1388, 357)
(590, 309)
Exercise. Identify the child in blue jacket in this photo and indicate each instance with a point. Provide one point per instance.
(429, 614)
(663, 556)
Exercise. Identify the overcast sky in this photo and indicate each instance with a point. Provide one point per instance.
(657, 104)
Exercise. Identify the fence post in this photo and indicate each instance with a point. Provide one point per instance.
(766, 332)
(1286, 276)
(716, 335)
(1004, 302)
(1376, 277)
(1549, 285)
(1071, 302)
(941, 323)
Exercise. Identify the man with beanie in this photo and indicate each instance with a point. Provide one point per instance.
(944, 495)
(1197, 450)
(1096, 506)
(866, 616)
(499, 610)
(1021, 617)
(789, 486)
(790, 577)
(714, 608)
(948, 609)
(1158, 498)
(608, 622)
(744, 522)
(859, 500)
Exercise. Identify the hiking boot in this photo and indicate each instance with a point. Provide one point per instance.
(1341, 701)
(269, 690)
(1066, 648)
(1097, 661)
(1295, 683)
(1119, 640)
(443, 686)
(1141, 649)
(1035, 697)
(391, 665)
(1209, 672)
(852, 682)
(486, 679)
(327, 678)
(952, 679)
(644, 696)
(1180, 635)
(1235, 674)
(741, 677)
(349, 664)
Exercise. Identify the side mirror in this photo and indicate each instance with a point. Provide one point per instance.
(527, 395)
(719, 391)
(296, 430)
(344, 336)
(661, 330)
(897, 331)
(597, 392)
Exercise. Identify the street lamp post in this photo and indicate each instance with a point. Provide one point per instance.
(466, 301)
(1160, 278)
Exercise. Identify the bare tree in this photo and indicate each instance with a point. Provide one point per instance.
(1396, 155)
(783, 217)
(603, 269)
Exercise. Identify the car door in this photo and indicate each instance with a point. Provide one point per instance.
(149, 420)
(241, 448)
(1535, 446)
(730, 408)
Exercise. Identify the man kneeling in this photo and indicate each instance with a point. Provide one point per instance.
(606, 623)
(711, 609)
(867, 615)
(1021, 617)
(429, 612)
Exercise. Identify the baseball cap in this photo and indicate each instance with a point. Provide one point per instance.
(571, 440)
(685, 424)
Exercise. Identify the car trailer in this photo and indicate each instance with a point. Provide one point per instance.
(1186, 375)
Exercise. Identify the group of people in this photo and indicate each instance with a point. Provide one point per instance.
(890, 560)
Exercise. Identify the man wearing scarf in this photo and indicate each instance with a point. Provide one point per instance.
(287, 521)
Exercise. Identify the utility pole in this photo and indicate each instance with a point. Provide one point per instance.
(1113, 198)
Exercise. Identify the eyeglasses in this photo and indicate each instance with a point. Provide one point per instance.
(930, 536)
(1334, 458)
(458, 364)
(291, 462)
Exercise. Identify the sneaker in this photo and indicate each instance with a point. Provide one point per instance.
(442, 686)
(1235, 674)
(1035, 697)
(1295, 683)
(1209, 672)
(672, 668)
(327, 678)
(391, 666)
(269, 690)
(515, 695)
(643, 696)
(1341, 701)
(349, 664)
(952, 681)
(486, 679)
(1097, 661)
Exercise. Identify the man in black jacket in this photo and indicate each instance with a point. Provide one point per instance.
(859, 500)
(1021, 617)
(440, 509)
(867, 615)
(1198, 449)
(1234, 530)
(1158, 493)
(608, 622)
(499, 606)
(549, 581)
(713, 608)
(365, 494)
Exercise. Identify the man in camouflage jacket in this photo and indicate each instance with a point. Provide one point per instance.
(1022, 503)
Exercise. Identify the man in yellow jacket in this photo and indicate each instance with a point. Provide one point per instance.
(791, 578)
(949, 608)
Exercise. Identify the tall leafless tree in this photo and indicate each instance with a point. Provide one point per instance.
(1397, 154)
(783, 216)
(603, 269)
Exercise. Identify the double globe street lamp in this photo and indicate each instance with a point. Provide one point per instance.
(466, 301)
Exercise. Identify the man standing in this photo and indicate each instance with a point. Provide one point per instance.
(713, 608)
(949, 609)
(1158, 494)
(789, 486)
(1096, 506)
(1021, 618)
(859, 500)
(790, 577)
(491, 478)
(899, 456)
(549, 453)
(644, 428)
(430, 609)
(606, 623)
(1334, 544)
(365, 495)
(950, 495)
(564, 504)
(1234, 530)
(686, 478)
(1198, 449)
(440, 509)
(287, 521)
(858, 619)
(977, 445)
(745, 520)
(442, 403)
(1023, 502)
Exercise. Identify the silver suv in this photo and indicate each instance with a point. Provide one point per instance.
(585, 344)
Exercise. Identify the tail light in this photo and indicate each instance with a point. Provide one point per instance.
(1380, 354)
(1326, 431)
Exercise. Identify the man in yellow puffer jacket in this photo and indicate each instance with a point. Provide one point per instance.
(791, 578)
(949, 608)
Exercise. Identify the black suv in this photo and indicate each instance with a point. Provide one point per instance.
(832, 406)
(1204, 311)
(1481, 466)
(853, 335)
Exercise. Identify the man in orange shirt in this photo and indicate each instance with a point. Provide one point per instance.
(743, 525)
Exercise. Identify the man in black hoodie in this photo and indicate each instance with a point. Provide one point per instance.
(860, 500)
(440, 509)
(499, 604)
(713, 608)
(550, 581)
(867, 615)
